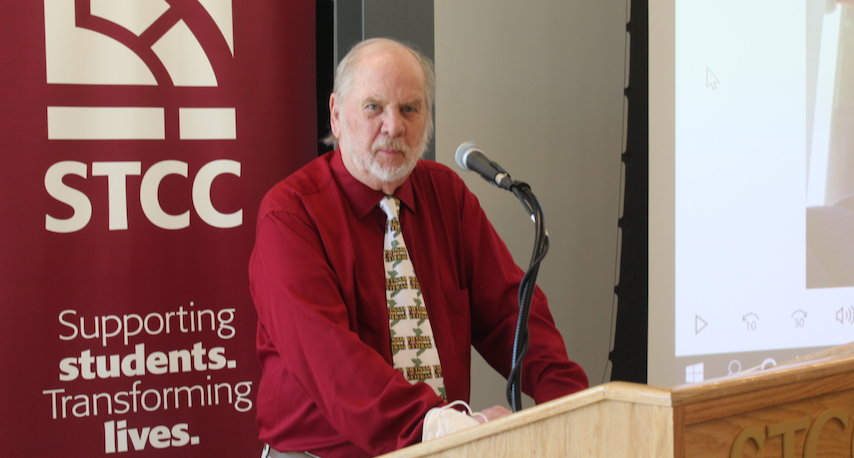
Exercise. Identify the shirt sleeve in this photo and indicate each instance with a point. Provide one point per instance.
(309, 327)
(494, 277)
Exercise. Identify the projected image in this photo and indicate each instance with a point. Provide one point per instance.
(830, 144)
(762, 190)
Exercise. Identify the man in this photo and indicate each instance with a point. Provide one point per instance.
(331, 384)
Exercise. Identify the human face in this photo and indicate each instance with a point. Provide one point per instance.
(381, 121)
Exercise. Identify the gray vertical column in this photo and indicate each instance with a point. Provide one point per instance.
(410, 21)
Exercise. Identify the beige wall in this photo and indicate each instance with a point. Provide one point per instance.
(539, 85)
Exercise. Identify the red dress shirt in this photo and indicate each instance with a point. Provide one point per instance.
(328, 385)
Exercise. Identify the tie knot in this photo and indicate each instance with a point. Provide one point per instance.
(391, 207)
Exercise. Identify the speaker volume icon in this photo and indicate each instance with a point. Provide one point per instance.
(844, 315)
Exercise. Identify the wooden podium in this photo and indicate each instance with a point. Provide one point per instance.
(804, 408)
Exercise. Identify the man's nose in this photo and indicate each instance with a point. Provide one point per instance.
(393, 123)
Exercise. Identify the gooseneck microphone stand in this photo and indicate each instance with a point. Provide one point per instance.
(526, 291)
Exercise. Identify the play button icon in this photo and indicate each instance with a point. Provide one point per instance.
(699, 324)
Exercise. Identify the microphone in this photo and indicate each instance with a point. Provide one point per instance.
(470, 157)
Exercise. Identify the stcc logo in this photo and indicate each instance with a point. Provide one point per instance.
(788, 430)
(139, 70)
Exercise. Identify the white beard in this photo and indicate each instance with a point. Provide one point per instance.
(367, 160)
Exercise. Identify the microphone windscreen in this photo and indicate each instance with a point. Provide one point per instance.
(463, 151)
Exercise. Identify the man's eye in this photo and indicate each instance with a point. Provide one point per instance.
(372, 106)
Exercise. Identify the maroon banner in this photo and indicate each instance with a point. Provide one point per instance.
(138, 138)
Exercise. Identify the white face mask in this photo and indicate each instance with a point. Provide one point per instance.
(441, 421)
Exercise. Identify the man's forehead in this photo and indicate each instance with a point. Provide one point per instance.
(381, 84)
(414, 98)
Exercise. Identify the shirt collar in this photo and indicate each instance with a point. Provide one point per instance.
(362, 198)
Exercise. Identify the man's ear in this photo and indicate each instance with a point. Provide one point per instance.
(334, 115)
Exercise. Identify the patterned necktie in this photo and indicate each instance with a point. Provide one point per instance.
(412, 345)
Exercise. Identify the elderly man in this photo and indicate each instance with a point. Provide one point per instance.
(355, 348)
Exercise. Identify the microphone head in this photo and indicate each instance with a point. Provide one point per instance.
(463, 151)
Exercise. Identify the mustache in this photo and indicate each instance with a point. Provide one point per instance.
(396, 144)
